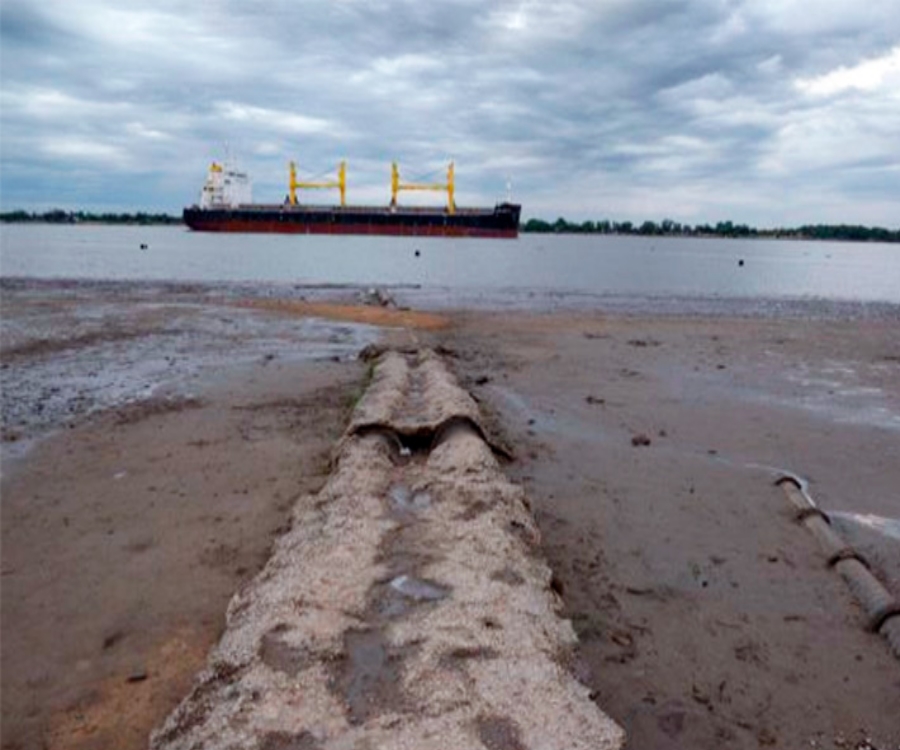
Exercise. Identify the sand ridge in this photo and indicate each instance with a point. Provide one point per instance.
(407, 607)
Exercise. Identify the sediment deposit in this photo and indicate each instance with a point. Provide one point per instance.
(408, 605)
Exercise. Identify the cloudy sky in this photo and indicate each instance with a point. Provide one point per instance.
(770, 112)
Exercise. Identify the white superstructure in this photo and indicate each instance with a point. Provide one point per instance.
(225, 187)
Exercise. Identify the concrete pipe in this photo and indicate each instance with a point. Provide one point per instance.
(835, 548)
(890, 629)
(875, 599)
(801, 502)
(882, 611)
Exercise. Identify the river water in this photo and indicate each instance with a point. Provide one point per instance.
(524, 272)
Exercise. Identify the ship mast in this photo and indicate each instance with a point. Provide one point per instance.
(340, 184)
(449, 187)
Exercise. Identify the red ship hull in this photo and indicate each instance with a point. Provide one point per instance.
(502, 222)
(275, 227)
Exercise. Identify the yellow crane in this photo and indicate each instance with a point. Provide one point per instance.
(397, 186)
(340, 183)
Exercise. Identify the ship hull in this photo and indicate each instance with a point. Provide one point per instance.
(501, 222)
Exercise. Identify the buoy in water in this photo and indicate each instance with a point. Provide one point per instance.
(741, 262)
(143, 246)
(418, 253)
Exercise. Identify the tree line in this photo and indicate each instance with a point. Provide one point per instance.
(670, 228)
(665, 228)
(58, 216)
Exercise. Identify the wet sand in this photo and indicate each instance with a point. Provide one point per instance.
(649, 446)
(125, 537)
(706, 616)
(153, 449)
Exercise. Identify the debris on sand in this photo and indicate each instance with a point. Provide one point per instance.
(377, 298)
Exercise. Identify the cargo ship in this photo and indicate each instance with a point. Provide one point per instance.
(226, 206)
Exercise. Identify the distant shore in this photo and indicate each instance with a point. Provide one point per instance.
(666, 228)
(58, 216)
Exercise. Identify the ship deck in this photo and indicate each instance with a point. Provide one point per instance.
(366, 210)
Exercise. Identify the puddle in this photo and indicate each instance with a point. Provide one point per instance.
(404, 592)
(847, 412)
(889, 527)
(834, 392)
(282, 656)
(838, 392)
(499, 733)
(558, 423)
(857, 406)
(404, 501)
(97, 355)
(369, 675)
(14, 451)
(418, 589)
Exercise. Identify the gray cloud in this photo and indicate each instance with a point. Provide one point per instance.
(768, 111)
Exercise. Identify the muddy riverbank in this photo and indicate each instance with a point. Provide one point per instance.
(141, 493)
(153, 448)
(648, 446)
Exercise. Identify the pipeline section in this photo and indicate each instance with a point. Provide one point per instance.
(881, 610)
(407, 607)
